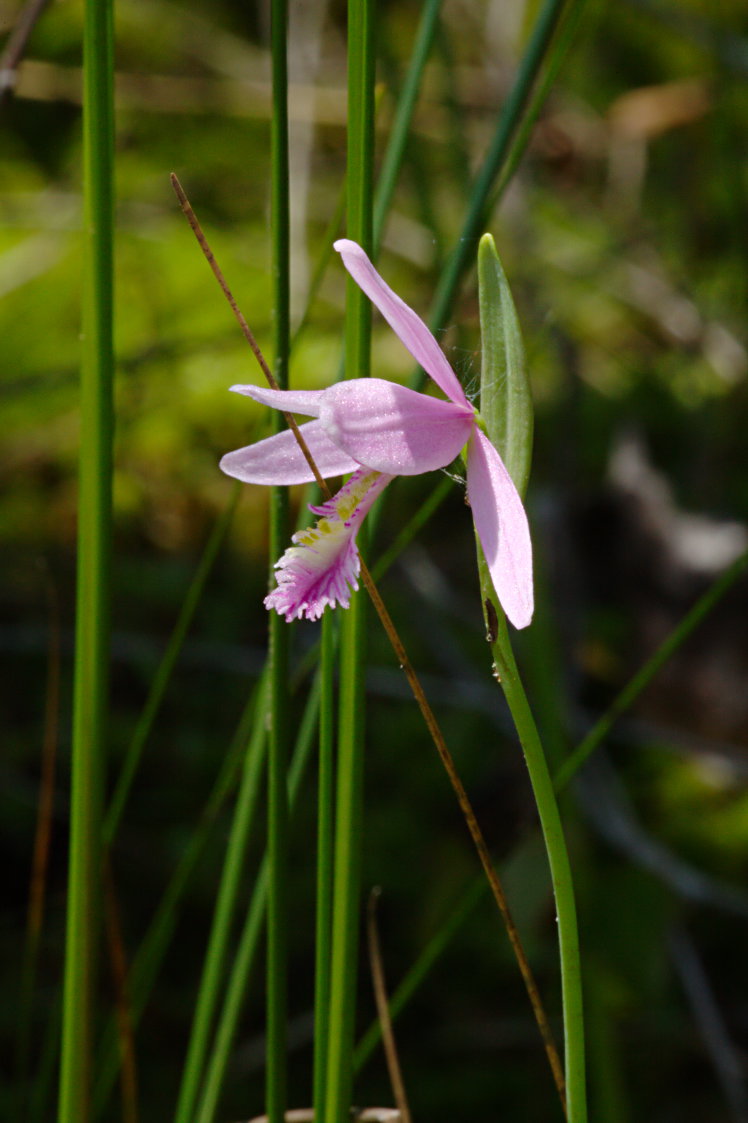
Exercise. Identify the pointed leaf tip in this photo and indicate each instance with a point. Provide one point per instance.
(506, 402)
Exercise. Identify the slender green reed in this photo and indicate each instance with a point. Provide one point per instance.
(94, 546)
(625, 699)
(347, 858)
(349, 801)
(277, 847)
(325, 850)
(398, 138)
(216, 956)
(567, 31)
(475, 217)
(507, 411)
(558, 860)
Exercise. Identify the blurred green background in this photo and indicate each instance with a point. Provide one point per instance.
(624, 238)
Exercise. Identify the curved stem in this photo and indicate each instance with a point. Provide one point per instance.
(350, 772)
(507, 674)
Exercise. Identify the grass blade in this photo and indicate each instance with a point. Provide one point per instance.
(94, 547)
(277, 839)
(349, 802)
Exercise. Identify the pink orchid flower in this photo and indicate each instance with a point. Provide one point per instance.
(377, 430)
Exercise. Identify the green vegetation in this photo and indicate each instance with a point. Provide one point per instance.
(623, 237)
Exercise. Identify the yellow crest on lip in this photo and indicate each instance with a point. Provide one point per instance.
(322, 566)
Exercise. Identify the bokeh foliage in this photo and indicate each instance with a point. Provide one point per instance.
(624, 239)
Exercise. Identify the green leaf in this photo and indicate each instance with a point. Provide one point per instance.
(505, 400)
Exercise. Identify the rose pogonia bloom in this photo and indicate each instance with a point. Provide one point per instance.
(377, 430)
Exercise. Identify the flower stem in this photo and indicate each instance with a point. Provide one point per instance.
(94, 545)
(349, 801)
(325, 844)
(505, 668)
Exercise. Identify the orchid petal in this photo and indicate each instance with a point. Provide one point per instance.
(407, 325)
(502, 527)
(323, 565)
(392, 429)
(290, 401)
(279, 460)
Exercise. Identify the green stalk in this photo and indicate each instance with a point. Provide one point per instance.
(399, 133)
(216, 955)
(347, 861)
(277, 845)
(94, 547)
(645, 674)
(325, 845)
(566, 35)
(597, 734)
(509, 119)
(477, 890)
(154, 946)
(558, 859)
(507, 412)
(349, 802)
(249, 939)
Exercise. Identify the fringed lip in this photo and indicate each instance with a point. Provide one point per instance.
(321, 568)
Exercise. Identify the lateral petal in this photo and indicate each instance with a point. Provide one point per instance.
(406, 324)
(279, 460)
(502, 527)
(290, 401)
(393, 429)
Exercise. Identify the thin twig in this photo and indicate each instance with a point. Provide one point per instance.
(246, 330)
(475, 831)
(123, 1005)
(383, 1007)
(413, 680)
(16, 45)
